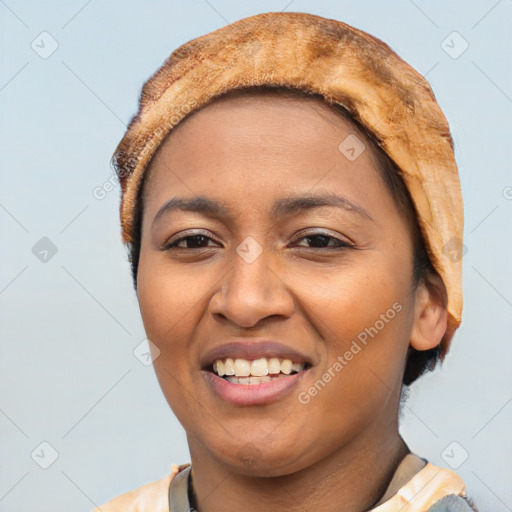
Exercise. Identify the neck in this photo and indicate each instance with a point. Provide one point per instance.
(353, 478)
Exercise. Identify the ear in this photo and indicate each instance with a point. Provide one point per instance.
(430, 315)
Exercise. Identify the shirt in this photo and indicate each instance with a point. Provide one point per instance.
(416, 486)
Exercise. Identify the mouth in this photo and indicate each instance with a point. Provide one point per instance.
(256, 371)
(246, 382)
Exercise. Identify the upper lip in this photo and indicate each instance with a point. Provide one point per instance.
(252, 349)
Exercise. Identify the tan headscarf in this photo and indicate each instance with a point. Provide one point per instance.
(346, 66)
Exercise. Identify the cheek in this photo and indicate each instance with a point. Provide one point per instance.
(363, 315)
(169, 303)
(168, 299)
(353, 298)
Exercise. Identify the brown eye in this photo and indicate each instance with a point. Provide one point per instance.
(323, 241)
(190, 242)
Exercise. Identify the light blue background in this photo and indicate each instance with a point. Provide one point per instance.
(69, 326)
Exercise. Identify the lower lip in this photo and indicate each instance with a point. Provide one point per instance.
(254, 394)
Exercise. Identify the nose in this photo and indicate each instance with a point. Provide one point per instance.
(251, 291)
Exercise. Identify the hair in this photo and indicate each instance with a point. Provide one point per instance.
(418, 361)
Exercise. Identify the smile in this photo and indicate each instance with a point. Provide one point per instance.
(260, 381)
(254, 371)
(257, 371)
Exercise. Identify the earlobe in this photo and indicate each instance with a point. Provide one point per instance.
(431, 315)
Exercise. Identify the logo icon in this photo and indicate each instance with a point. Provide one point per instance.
(351, 147)
(44, 250)
(454, 250)
(249, 249)
(249, 455)
(454, 455)
(44, 455)
(44, 45)
(454, 45)
(146, 352)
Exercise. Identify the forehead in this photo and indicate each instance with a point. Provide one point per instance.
(254, 149)
(265, 126)
(253, 107)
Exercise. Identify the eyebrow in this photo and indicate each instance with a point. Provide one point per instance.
(281, 208)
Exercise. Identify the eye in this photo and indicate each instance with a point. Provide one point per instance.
(324, 241)
(197, 241)
(317, 240)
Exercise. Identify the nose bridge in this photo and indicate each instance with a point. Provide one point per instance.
(250, 268)
(251, 290)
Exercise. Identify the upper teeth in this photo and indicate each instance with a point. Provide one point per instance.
(257, 367)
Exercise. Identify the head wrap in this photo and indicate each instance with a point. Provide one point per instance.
(346, 66)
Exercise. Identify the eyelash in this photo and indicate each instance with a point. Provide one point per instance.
(341, 244)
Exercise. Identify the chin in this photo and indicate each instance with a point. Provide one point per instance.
(253, 459)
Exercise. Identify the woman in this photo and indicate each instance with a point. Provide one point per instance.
(293, 210)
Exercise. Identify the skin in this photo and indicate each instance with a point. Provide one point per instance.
(339, 451)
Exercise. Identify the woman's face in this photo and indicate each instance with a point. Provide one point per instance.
(327, 281)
